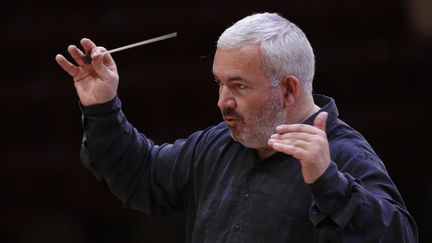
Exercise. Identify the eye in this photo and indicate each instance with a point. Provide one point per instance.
(241, 86)
(217, 81)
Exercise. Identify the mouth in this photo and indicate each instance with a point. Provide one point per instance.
(230, 121)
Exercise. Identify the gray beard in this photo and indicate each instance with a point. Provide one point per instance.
(262, 124)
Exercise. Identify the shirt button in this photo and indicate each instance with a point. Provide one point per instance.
(245, 196)
(237, 228)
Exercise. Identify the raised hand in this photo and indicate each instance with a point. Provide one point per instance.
(306, 143)
(95, 82)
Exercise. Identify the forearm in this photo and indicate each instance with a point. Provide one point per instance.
(114, 151)
(350, 211)
(106, 134)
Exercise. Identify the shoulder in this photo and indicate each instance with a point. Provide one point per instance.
(213, 136)
(217, 135)
(349, 147)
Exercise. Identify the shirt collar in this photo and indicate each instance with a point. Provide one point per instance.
(328, 105)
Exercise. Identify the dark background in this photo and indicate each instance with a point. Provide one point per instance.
(373, 57)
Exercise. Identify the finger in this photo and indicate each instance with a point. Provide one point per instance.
(87, 45)
(96, 52)
(99, 62)
(76, 54)
(296, 152)
(90, 47)
(108, 60)
(304, 128)
(321, 120)
(98, 55)
(294, 135)
(71, 69)
(292, 142)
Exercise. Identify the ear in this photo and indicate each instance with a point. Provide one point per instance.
(290, 87)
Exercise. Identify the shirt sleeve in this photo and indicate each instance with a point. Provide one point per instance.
(359, 203)
(144, 176)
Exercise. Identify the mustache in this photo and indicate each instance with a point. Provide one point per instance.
(230, 113)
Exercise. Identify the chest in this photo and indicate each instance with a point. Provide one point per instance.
(242, 197)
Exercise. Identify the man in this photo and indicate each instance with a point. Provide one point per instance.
(280, 168)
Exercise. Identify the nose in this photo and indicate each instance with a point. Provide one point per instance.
(226, 99)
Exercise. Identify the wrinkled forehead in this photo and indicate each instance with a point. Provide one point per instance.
(248, 57)
(240, 64)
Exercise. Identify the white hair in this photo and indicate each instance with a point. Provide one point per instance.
(285, 48)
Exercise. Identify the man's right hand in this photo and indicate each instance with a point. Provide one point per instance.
(95, 82)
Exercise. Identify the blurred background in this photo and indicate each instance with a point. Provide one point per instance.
(373, 57)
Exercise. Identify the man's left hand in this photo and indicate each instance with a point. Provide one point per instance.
(306, 143)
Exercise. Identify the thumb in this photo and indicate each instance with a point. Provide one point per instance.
(99, 66)
(104, 66)
(321, 120)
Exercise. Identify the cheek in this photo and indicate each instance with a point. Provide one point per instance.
(242, 108)
(248, 110)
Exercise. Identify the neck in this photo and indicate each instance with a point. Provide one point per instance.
(264, 152)
(302, 110)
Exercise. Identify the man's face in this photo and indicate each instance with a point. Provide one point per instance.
(250, 106)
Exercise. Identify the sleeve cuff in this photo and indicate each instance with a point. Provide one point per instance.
(330, 190)
(335, 197)
(97, 119)
(101, 109)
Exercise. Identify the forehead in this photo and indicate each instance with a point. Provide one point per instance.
(242, 62)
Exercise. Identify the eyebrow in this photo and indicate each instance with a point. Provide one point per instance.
(236, 78)
(230, 79)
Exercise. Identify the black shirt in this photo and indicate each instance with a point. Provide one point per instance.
(230, 195)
